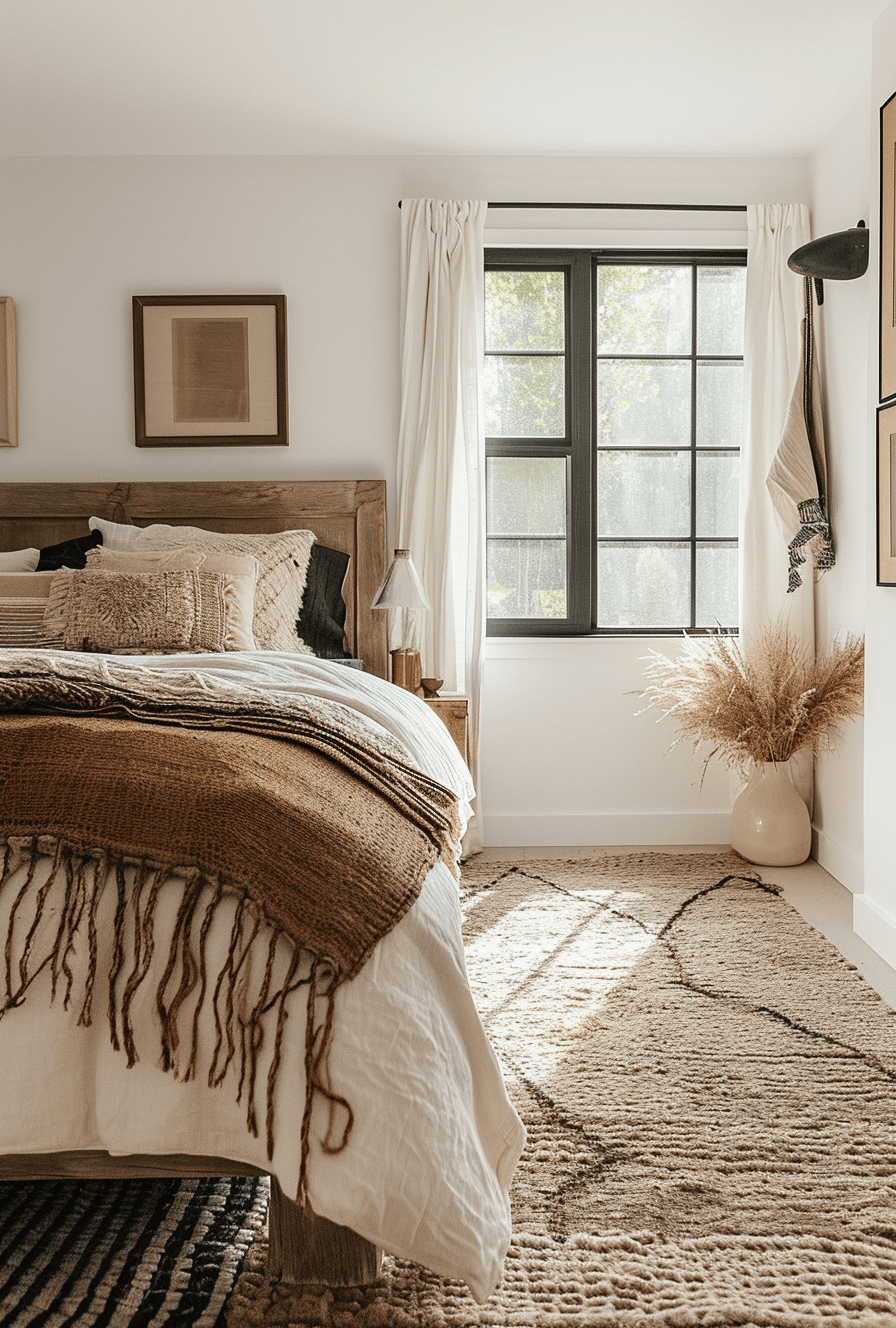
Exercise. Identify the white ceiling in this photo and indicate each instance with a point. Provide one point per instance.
(683, 77)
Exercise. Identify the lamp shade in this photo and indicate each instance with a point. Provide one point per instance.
(842, 256)
(402, 587)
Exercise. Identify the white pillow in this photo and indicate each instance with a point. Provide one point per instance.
(282, 558)
(20, 560)
(171, 560)
(118, 538)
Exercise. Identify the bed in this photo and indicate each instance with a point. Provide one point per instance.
(401, 1137)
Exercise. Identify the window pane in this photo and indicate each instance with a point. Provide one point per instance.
(524, 311)
(644, 494)
(717, 585)
(717, 479)
(643, 404)
(720, 399)
(643, 585)
(644, 310)
(720, 310)
(526, 496)
(523, 396)
(641, 446)
(526, 578)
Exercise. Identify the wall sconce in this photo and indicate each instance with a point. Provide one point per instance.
(841, 256)
(402, 589)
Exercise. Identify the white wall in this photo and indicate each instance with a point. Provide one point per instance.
(565, 758)
(841, 196)
(568, 760)
(875, 910)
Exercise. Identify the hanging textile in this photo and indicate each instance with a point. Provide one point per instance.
(773, 360)
(797, 477)
(441, 450)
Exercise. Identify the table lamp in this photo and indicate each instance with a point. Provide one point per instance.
(403, 589)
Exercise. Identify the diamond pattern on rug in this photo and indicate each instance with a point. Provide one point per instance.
(709, 1090)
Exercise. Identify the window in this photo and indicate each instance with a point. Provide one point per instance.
(613, 386)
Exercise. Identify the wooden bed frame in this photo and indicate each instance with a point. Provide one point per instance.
(349, 515)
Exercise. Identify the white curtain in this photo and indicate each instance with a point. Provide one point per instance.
(772, 364)
(441, 455)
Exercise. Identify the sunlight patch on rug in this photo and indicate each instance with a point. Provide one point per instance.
(571, 958)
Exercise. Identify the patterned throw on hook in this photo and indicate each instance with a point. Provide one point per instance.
(797, 477)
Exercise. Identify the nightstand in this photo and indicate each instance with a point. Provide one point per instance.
(452, 711)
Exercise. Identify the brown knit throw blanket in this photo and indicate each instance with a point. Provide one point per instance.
(311, 816)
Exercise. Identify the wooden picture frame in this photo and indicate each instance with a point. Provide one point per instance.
(886, 494)
(887, 344)
(9, 410)
(210, 370)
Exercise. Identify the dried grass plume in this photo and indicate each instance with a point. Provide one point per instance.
(761, 703)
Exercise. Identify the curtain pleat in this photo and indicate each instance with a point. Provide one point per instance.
(441, 455)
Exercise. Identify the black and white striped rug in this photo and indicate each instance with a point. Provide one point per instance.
(135, 1253)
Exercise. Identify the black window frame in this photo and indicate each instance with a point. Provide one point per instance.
(579, 444)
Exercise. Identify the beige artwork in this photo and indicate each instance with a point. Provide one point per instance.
(8, 395)
(210, 370)
(886, 495)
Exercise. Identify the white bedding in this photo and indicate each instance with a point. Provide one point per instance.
(428, 1165)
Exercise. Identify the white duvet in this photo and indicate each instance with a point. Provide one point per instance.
(435, 1141)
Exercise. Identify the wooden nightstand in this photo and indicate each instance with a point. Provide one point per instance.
(452, 711)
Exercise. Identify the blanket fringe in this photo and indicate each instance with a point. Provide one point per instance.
(238, 1007)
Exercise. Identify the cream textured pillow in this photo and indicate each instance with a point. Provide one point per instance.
(282, 569)
(170, 560)
(23, 600)
(227, 607)
(150, 612)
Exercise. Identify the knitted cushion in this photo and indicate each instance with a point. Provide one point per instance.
(282, 560)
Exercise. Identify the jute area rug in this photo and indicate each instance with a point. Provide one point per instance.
(709, 1090)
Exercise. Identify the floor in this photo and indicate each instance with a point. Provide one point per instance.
(812, 891)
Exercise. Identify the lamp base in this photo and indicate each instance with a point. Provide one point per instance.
(407, 670)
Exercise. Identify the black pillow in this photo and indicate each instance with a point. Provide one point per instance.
(70, 553)
(321, 622)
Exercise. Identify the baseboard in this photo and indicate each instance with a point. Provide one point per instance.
(876, 927)
(841, 862)
(622, 828)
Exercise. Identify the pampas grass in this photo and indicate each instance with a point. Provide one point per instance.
(762, 703)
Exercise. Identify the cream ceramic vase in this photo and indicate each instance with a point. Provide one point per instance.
(769, 821)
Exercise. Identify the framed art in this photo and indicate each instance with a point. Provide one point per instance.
(9, 410)
(210, 370)
(886, 495)
(887, 368)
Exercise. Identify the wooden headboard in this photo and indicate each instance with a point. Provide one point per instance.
(344, 514)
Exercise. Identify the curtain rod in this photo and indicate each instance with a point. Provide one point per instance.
(630, 207)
